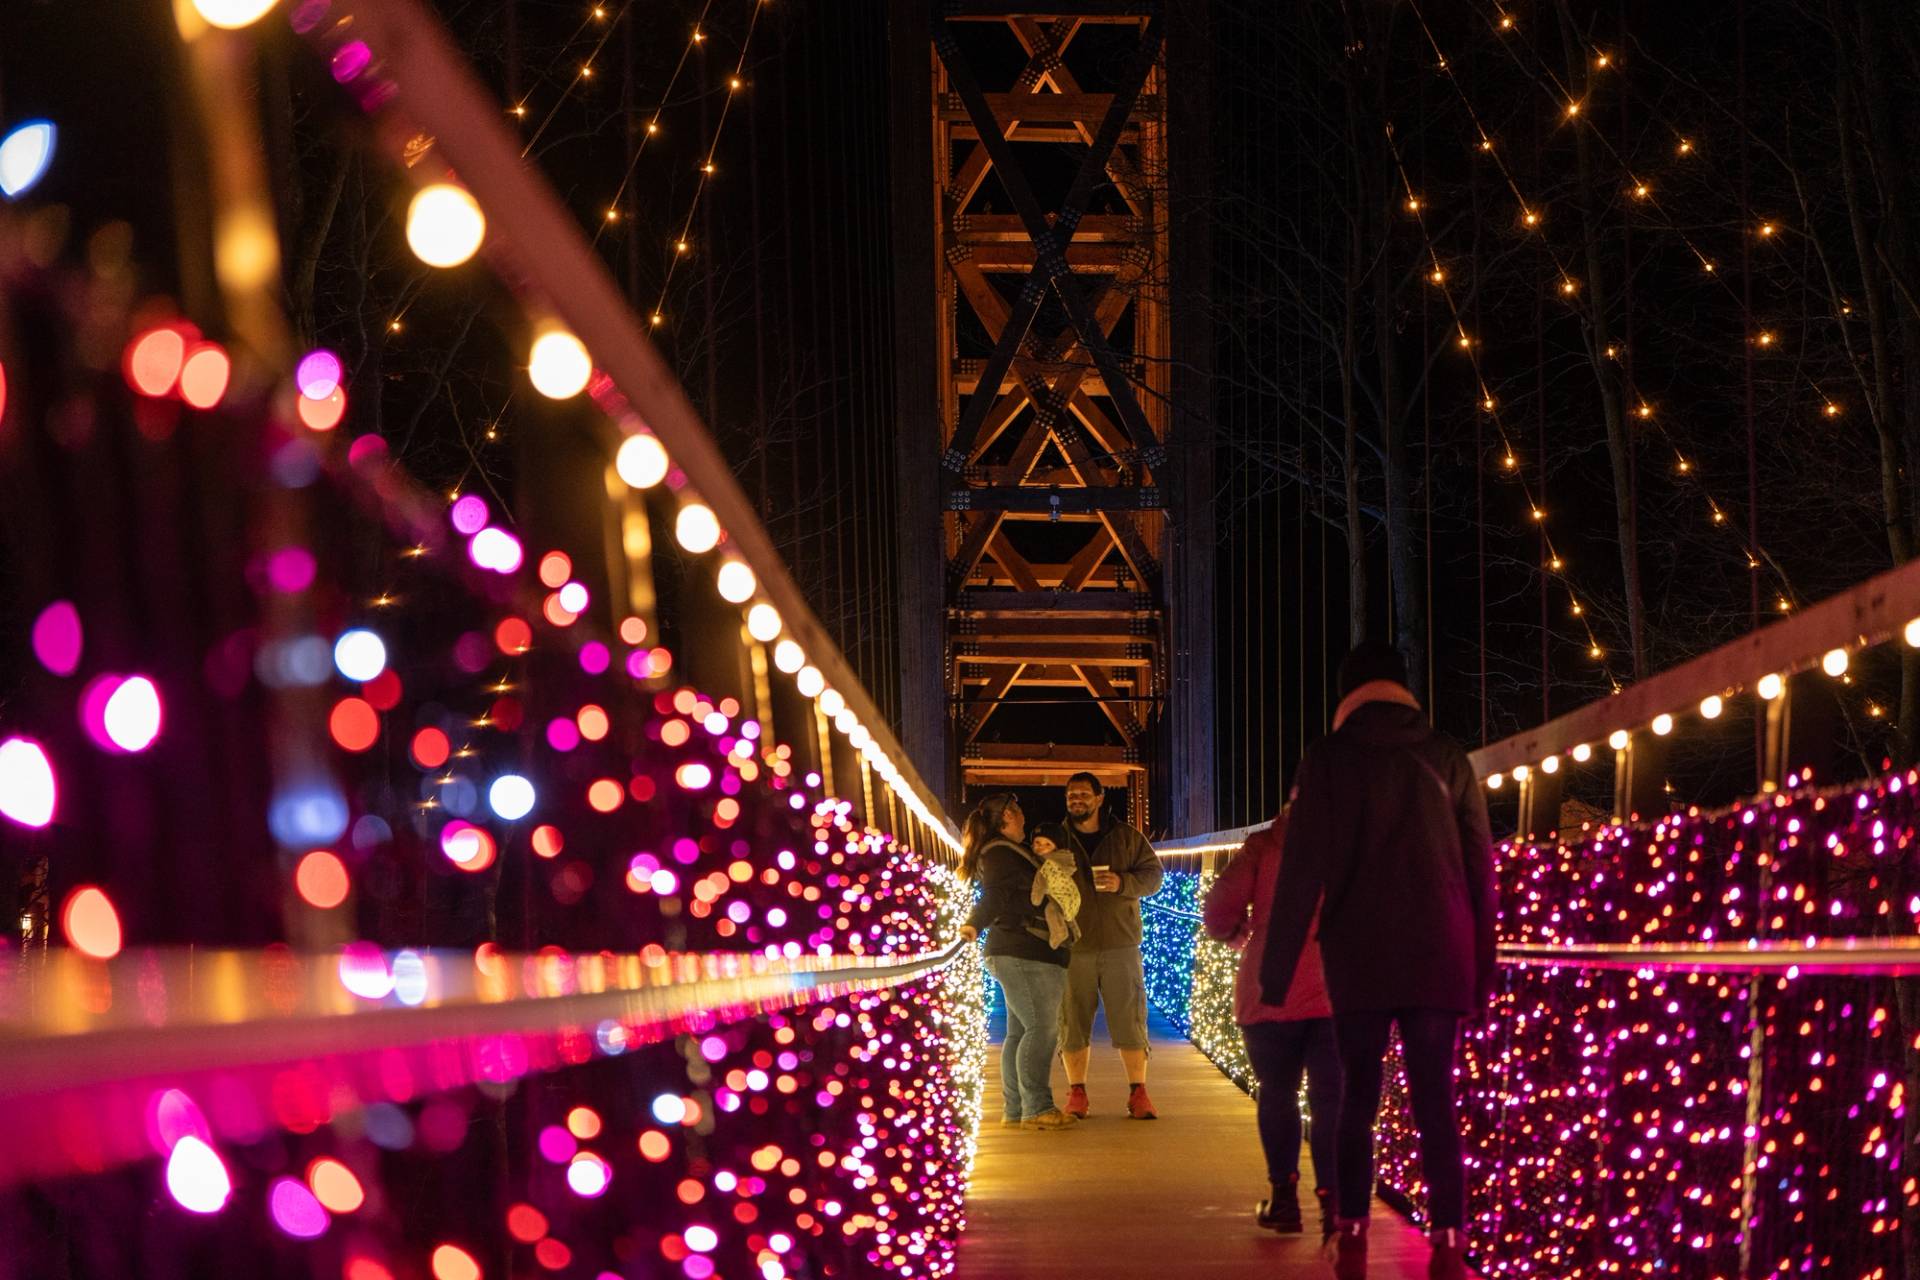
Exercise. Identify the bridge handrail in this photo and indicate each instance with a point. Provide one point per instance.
(232, 1021)
(1175, 912)
(1863, 615)
(539, 251)
(1896, 957)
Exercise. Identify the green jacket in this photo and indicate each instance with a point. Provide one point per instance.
(1111, 920)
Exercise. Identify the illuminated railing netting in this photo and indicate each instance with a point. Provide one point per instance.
(1665, 1103)
(395, 904)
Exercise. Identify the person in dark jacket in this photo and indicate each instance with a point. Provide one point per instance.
(1032, 974)
(1284, 1041)
(1116, 867)
(1388, 839)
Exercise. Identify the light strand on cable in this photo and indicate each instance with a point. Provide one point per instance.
(681, 244)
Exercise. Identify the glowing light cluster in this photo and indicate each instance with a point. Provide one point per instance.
(1621, 1116)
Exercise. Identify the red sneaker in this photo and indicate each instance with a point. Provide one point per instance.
(1139, 1105)
(1077, 1106)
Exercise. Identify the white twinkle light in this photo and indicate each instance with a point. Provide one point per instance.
(642, 461)
(763, 622)
(444, 225)
(559, 365)
(25, 155)
(697, 528)
(736, 582)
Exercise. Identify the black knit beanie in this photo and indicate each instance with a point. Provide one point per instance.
(1371, 660)
(1054, 831)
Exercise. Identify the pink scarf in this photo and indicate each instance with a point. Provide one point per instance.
(1374, 691)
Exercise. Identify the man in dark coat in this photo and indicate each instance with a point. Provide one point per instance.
(1388, 838)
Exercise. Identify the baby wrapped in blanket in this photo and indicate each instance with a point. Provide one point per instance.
(1053, 884)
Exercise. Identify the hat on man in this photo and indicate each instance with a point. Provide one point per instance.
(1371, 660)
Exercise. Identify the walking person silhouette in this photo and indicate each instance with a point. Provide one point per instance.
(1388, 838)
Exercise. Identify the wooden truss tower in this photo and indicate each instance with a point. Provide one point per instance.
(1051, 385)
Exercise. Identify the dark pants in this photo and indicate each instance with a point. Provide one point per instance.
(1279, 1052)
(1427, 1041)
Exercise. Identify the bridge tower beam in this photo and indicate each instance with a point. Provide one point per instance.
(1038, 401)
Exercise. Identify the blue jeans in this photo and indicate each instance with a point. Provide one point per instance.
(1033, 990)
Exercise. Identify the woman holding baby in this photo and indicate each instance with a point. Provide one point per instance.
(1025, 952)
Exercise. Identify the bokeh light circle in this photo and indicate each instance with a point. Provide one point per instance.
(91, 925)
(197, 1178)
(359, 654)
(696, 528)
(321, 879)
(559, 365)
(318, 374)
(642, 461)
(444, 225)
(511, 797)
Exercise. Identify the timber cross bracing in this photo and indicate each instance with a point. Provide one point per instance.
(1053, 375)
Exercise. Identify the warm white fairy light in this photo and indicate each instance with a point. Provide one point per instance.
(763, 622)
(559, 365)
(696, 528)
(642, 461)
(444, 224)
(736, 582)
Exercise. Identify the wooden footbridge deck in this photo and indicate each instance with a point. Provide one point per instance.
(1115, 1198)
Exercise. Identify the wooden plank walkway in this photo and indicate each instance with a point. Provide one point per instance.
(1114, 1197)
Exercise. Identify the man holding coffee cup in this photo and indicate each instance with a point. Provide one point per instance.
(1116, 867)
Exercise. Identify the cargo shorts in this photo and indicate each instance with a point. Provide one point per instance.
(1116, 977)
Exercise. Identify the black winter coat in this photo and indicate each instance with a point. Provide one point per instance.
(1388, 837)
(1006, 913)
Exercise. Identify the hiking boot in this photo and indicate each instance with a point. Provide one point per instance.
(1052, 1119)
(1282, 1211)
(1139, 1105)
(1327, 1224)
(1008, 1120)
(1077, 1105)
(1449, 1260)
(1350, 1250)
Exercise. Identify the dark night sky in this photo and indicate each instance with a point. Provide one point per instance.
(780, 318)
